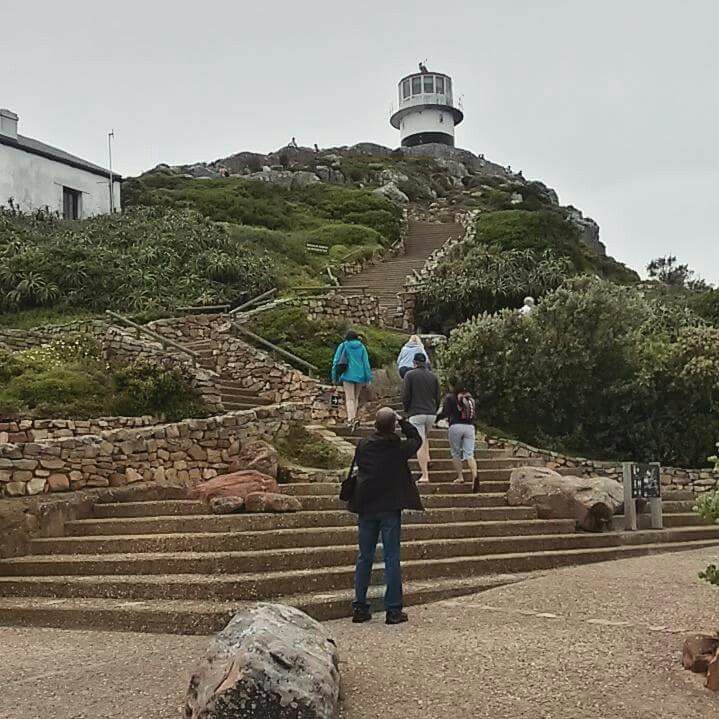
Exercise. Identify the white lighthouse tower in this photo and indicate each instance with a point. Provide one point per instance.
(426, 110)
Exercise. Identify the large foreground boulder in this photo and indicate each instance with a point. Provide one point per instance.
(698, 651)
(269, 661)
(591, 501)
(235, 484)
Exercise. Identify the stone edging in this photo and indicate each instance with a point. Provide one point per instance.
(676, 478)
(17, 431)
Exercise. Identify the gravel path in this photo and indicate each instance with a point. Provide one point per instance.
(600, 641)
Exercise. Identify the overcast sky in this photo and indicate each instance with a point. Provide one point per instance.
(612, 103)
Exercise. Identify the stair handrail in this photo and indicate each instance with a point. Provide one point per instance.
(334, 280)
(279, 350)
(164, 341)
(221, 308)
(253, 301)
(339, 288)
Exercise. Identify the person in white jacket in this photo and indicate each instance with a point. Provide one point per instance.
(405, 359)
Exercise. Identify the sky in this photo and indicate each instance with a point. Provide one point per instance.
(614, 104)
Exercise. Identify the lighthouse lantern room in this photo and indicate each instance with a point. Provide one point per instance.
(426, 109)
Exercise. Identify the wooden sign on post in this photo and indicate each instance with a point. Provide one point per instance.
(335, 401)
(642, 481)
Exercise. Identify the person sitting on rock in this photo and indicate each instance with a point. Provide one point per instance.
(528, 307)
(384, 488)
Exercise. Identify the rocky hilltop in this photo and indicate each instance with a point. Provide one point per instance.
(437, 179)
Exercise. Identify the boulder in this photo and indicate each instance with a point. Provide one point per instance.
(271, 502)
(392, 193)
(258, 456)
(591, 501)
(713, 673)
(227, 505)
(269, 661)
(698, 651)
(235, 484)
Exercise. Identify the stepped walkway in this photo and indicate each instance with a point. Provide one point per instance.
(386, 279)
(170, 566)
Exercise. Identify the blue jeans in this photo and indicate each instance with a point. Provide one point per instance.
(369, 528)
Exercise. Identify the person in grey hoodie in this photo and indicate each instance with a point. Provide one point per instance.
(421, 399)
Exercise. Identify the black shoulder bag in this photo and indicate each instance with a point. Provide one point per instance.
(349, 484)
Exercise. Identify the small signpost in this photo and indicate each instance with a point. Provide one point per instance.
(317, 248)
(335, 400)
(642, 481)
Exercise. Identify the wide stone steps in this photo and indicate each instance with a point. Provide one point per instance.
(287, 538)
(204, 617)
(275, 584)
(257, 522)
(290, 559)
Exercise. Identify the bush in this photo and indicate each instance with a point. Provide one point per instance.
(706, 305)
(348, 235)
(141, 389)
(473, 279)
(143, 260)
(594, 370)
(303, 448)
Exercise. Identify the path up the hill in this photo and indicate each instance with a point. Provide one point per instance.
(386, 279)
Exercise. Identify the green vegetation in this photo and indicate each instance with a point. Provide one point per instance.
(68, 379)
(596, 370)
(473, 279)
(143, 260)
(315, 342)
(706, 305)
(707, 507)
(300, 447)
(261, 204)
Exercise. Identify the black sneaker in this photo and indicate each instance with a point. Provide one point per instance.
(361, 615)
(475, 485)
(396, 616)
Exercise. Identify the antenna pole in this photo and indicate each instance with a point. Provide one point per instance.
(110, 137)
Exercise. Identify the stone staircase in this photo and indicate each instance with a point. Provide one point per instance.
(169, 566)
(233, 396)
(386, 279)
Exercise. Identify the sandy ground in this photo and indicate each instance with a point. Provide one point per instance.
(600, 641)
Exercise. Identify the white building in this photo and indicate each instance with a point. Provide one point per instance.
(36, 175)
(426, 111)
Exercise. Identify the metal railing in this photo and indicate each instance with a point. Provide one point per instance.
(164, 341)
(204, 308)
(308, 366)
(340, 288)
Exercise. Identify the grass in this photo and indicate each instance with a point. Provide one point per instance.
(300, 447)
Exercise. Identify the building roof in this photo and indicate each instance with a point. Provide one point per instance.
(36, 147)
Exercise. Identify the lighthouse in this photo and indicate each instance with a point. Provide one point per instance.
(426, 109)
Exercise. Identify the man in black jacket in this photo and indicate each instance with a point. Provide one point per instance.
(384, 488)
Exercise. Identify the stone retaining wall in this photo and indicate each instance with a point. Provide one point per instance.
(17, 340)
(695, 480)
(16, 431)
(338, 307)
(187, 452)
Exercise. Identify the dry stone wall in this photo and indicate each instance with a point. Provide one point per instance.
(17, 431)
(673, 478)
(18, 340)
(337, 307)
(187, 452)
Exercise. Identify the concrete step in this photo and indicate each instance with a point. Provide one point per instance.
(204, 617)
(231, 406)
(257, 522)
(299, 558)
(310, 503)
(266, 585)
(327, 488)
(287, 538)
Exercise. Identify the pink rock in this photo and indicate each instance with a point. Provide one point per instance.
(236, 484)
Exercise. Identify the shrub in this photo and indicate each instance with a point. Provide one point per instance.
(148, 259)
(303, 448)
(594, 370)
(706, 305)
(474, 279)
(141, 389)
(348, 235)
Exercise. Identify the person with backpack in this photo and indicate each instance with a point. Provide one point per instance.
(460, 410)
(351, 369)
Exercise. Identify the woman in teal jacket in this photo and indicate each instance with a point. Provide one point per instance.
(350, 367)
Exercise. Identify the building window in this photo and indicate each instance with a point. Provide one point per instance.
(405, 89)
(439, 82)
(449, 86)
(70, 203)
(429, 83)
(416, 85)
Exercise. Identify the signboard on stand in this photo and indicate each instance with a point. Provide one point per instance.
(642, 482)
